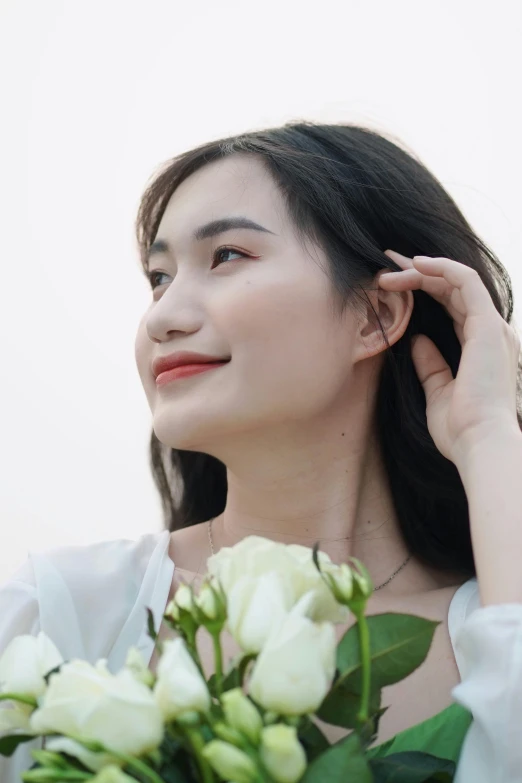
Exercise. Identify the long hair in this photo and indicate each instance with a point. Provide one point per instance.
(354, 193)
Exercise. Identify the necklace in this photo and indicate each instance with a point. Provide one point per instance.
(211, 542)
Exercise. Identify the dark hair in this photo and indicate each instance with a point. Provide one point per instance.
(355, 193)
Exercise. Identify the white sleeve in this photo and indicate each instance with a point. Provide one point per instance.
(19, 614)
(489, 644)
(90, 600)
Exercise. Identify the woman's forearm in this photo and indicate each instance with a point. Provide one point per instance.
(491, 472)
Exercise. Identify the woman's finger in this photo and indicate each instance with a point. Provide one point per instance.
(413, 280)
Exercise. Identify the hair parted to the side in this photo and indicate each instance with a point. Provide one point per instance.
(355, 193)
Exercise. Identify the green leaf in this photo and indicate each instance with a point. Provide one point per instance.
(150, 624)
(234, 678)
(399, 643)
(177, 764)
(9, 744)
(47, 676)
(369, 730)
(206, 732)
(211, 685)
(174, 774)
(46, 758)
(315, 556)
(243, 666)
(312, 739)
(412, 767)
(230, 681)
(341, 763)
(341, 705)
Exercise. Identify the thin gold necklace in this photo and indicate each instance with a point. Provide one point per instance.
(211, 542)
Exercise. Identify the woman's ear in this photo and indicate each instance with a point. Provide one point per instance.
(393, 308)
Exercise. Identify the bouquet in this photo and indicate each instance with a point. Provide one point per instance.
(254, 721)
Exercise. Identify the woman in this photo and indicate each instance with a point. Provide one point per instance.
(312, 416)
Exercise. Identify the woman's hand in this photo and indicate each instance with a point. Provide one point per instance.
(481, 400)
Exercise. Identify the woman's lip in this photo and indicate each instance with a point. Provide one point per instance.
(185, 370)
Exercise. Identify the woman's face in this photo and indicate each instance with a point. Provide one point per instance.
(255, 296)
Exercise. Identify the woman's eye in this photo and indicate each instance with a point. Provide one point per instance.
(152, 279)
(225, 250)
(219, 253)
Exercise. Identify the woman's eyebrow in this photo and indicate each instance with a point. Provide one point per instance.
(210, 230)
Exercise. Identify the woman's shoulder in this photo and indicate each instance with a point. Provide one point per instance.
(465, 600)
(451, 604)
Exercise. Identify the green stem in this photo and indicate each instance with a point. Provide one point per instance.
(218, 659)
(191, 643)
(262, 775)
(67, 775)
(197, 743)
(364, 648)
(139, 766)
(134, 763)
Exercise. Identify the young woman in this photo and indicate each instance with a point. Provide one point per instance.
(287, 261)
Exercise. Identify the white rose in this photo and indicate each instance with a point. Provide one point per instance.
(241, 714)
(112, 774)
(184, 598)
(93, 704)
(135, 663)
(229, 762)
(294, 670)
(255, 556)
(207, 602)
(252, 555)
(179, 686)
(282, 753)
(255, 605)
(24, 663)
(325, 607)
(15, 718)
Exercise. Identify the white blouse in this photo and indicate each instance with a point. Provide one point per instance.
(90, 600)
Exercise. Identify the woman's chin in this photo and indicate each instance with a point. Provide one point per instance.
(184, 435)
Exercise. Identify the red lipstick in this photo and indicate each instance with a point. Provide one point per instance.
(185, 370)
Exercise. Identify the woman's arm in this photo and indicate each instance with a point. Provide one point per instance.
(491, 472)
(472, 418)
(473, 421)
(490, 641)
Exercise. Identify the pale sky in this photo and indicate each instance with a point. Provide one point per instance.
(95, 96)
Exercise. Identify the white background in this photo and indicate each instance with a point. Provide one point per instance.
(94, 96)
